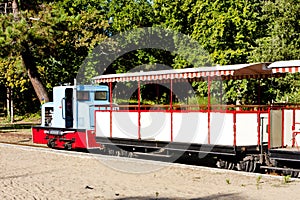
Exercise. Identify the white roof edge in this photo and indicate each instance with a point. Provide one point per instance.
(175, 71)
(287, 63)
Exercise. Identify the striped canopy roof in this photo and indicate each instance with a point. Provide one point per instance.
(253, 70)
(290, 66)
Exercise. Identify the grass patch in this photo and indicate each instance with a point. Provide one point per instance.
(228, 181)
(258, 181)
(286, 179)
(20, 122)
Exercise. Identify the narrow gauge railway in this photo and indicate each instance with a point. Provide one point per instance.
(246, 138)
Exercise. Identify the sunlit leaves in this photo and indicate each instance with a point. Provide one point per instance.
(282, 34)
(227, 29)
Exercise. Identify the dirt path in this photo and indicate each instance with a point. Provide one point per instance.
(18, 133)
(32, 174)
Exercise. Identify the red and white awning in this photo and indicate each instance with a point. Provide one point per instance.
(290, 66)
(228, 71)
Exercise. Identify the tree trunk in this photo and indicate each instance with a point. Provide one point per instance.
(30, 65)
(33, 74)
(12, 118)
(10, 104)
(37, 84)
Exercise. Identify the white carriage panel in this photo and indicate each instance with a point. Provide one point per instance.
(102, 124)
(288, 124)
(297, 140)
(221, 128)
(156, 126)
(125, 125)
(297, 126)
(246, 129)
(297, 115)
(297, 120)
(190, 127)
(202, 133)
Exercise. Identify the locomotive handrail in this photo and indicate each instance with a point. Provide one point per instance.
(62, 106)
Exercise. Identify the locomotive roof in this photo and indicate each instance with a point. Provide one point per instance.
(253, 70)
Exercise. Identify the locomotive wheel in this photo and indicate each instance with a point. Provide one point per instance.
(51, 143)
(68, 146)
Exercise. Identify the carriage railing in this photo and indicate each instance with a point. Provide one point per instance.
(193, 108)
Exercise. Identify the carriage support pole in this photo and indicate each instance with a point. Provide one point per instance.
(208, 109)
(110, 111)
(171, 107)
(139, 109)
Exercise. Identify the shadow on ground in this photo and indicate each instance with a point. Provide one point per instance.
(230, 196)
(17, 126)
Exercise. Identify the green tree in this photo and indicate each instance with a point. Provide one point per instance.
(227, 29)
(281, 39)
(51, 39)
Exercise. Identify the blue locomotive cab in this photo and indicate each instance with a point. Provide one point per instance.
(74, 106)
(90, 98)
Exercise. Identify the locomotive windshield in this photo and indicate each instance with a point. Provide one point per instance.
(83, 95)
(100, 95)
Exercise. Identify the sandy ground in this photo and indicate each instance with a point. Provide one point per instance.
(17, 136)
(48, 174)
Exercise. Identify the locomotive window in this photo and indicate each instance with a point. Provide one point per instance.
(83, 96)
(100, 95)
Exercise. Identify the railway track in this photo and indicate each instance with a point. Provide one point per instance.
(26, 144)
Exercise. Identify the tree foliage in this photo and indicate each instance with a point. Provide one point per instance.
(50, 40)
(281, 40)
